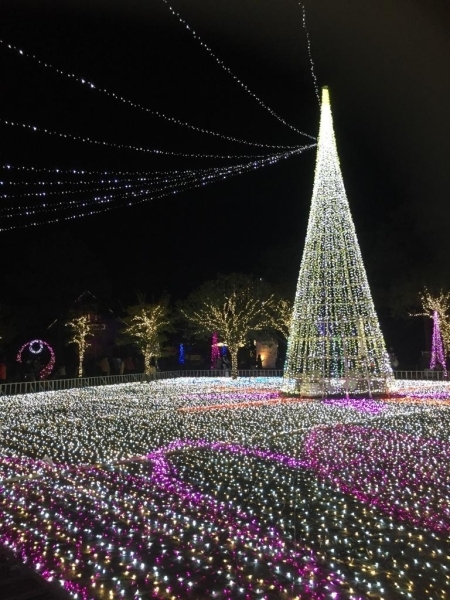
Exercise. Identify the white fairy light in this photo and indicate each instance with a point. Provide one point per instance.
(101, 203)
(139, 490)
(89, 140)
(229, 71)
(90, 86)
(31, 169)
(308, 41)
(335, 342)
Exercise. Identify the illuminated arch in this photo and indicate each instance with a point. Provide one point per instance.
(36, 347)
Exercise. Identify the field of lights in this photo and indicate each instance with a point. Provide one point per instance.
(214, 488)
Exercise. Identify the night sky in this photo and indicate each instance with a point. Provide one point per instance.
(387, 65)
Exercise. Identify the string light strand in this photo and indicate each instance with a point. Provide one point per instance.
(308, 42)
(103, 204)
(31, 169)
(230, 72)
(136, 105)
(89, 140)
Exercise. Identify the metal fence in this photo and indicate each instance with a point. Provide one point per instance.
(421, 375)
(26, 387)
(32, 387)
(219, 373)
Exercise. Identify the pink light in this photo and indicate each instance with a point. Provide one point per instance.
(46, 369)
(437, 347)
(215, 350)
(244, 404)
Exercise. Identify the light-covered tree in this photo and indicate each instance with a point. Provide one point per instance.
(145, 326)
(283, 316)
(83, 328)
(233, 305)
(440, 304)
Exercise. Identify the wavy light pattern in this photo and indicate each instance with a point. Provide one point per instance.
(122, 491)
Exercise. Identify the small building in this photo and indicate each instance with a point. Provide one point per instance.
(269, 352)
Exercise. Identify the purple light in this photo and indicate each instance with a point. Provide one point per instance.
(385, 469)
(437, 347)
(215, 350)
(154, 505)
(36, 347)
(78, 524)
(364, 405)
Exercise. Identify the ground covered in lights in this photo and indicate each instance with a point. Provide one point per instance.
(214, 488)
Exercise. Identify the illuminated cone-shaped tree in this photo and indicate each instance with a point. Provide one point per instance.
(335, 343)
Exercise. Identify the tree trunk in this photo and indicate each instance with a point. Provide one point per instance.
(81, 353)
(80, 366)
(234, 363)
(147, 358)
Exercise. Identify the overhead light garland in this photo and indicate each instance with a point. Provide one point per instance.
(335, 343)
(136, 105)
(116, 180)
(89, 140)
(308, 42)
(96, 204)
(155, 185)
(156, 178)
(31, 169)
(222, 65)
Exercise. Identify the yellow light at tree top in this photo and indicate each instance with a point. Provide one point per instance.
(335, 342)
